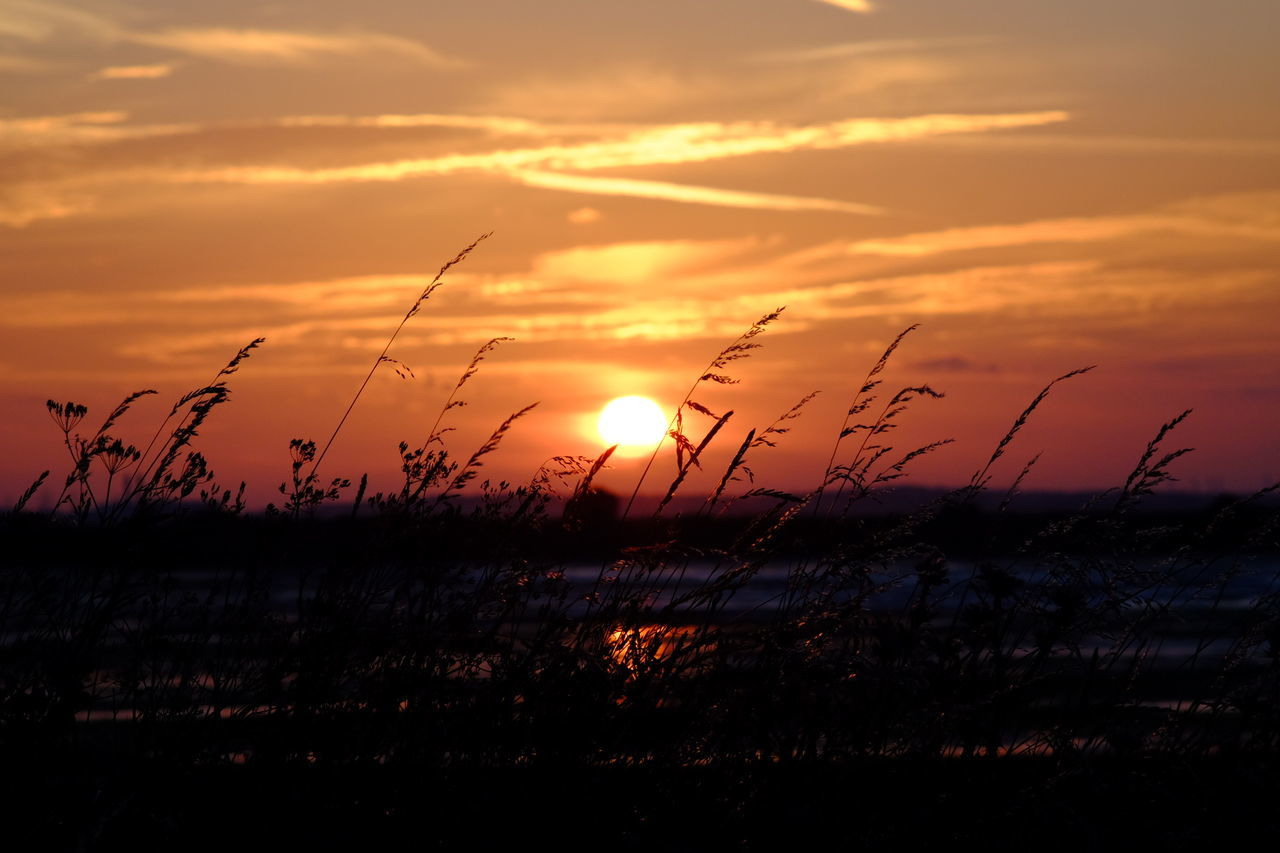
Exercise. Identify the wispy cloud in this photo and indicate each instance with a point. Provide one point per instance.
(112, 125)
(846, 50)
(44, 124)
(1187, 219)
(551, 164)
(13, 64)
(608, 145)
(645, 291)
(862, 7)
(77, 129)
(584, 216)
(1207, 146)
(275, 47)
(677, 312)
(40, 20)
(954, 364)
(660, 145)
(358, 317)
(687, 194)
(640, 262)
(133, 72)
(499, 125)
(623, 93)
(20, 205)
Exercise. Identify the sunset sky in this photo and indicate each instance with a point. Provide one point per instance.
(1041, 186)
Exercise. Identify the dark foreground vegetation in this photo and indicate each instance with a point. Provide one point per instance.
(454, 663)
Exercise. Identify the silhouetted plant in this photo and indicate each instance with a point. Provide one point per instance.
(457, 623)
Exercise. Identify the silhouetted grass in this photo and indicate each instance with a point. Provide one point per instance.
(386, 663)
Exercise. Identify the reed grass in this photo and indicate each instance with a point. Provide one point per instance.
(156, 623)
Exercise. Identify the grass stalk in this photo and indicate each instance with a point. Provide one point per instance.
(739, 349)
(382, 356)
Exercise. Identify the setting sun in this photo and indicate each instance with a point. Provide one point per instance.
(632, 421)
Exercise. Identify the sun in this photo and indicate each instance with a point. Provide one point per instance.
(632, 421)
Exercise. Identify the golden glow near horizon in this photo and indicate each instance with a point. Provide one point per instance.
(632, 422)
(638, 649)
(177, 180)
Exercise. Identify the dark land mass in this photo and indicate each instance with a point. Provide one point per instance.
(1070, 675)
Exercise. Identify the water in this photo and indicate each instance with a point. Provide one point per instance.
(886, 588)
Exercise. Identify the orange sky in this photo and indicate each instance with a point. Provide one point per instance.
(1041, 186)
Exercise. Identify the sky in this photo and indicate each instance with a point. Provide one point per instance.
(1039, 186)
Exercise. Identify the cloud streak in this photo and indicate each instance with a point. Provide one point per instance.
(551, 164)
(498, 125)
(1077, 289)
(845, 50)
(1069, 230)
(112, 125)
(133, 72)
(42, 21)
(22, 205)
(78, 129)
(688, 194)
(1203, 146)
(661, 145)
(281, 47)
(657, 291)
(862, 7)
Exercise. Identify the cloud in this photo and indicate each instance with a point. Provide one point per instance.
(133, 72)
(10, 64)
(1255, 211)
(1112, 144)
(44, 124)
(1079, 230)
(638, 261)
(617, 93)
(20, 205)
(954, 364)
(112, 125)
(845, 50)
(77, 129)
(39, 20)
(988, 289)
(688, 194)
(678, 310)
(660, 145)
(365, 307)
(554, 164)
(862, 7)
(784, 82)
(498, 125)
(281, 47)
(341, 295)
(614, 146)
(1231, 220)
(584, 216)
(652, 291)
